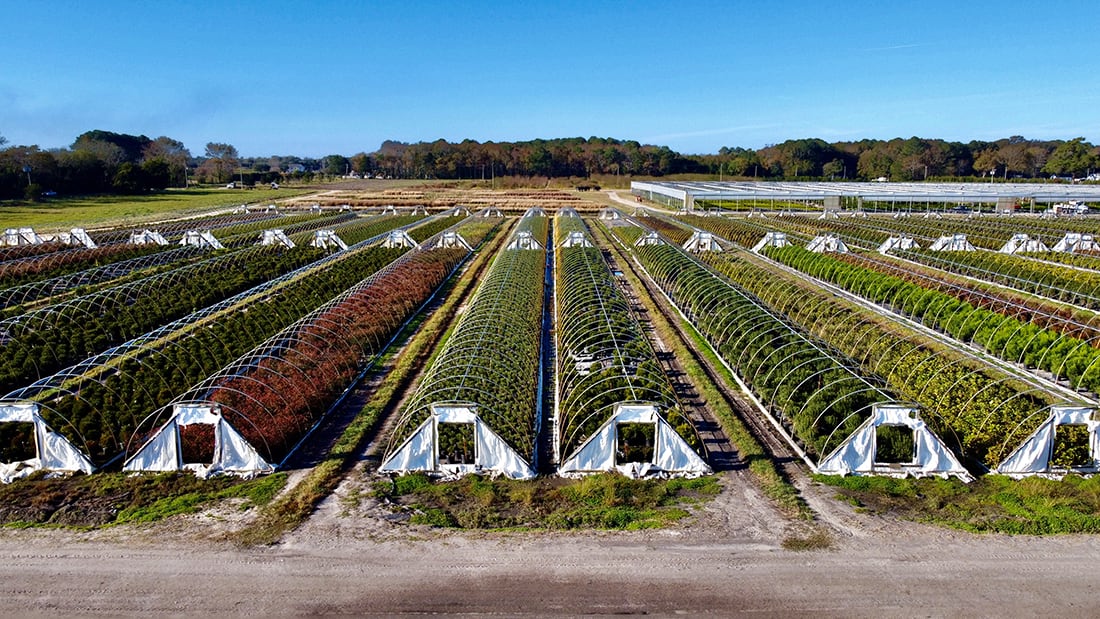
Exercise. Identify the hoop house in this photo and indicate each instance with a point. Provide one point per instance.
(489, 366)
(608, 376)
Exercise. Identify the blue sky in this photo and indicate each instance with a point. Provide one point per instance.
(316, 78)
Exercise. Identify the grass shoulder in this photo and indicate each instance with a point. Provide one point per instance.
(605, 501)
(991, 504)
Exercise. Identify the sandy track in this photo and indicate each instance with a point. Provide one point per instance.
(554, 574)
(351, 560)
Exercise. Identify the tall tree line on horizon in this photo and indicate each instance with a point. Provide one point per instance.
(100, 162)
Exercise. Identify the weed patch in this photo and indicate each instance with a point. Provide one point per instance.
(594, 502)
(992, 504)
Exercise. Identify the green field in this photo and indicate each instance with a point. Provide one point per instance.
(93, 211)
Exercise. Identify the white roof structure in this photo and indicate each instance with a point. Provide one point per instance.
(954, 242)
(490, 212)
(399, 238)
(492, 455)
(327, 239)
(856, 455)
(389, 209)
(276, 237)
(232, 453)
(459, 211)
(204, 239)
(534, 211)
(1033, 456)
(902, 243)
(671, 455)
(524, 240)
(610, 214)
(1075, 242)
(701, 241)
(53, 451)
(686, 193)
(420, 210)
(147, 237)
(20, 236)
(827, 243)
(1022, 243)
(771, 239)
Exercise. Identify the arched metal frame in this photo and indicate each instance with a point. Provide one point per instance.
(594, 322)
(493, 355)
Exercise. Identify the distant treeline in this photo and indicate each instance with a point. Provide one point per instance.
(898, 159)
(107, 162)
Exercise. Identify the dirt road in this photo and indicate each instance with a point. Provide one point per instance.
(557, 574)
(350, 559)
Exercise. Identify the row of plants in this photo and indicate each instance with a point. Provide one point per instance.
(122, 235)
(973, 407)
(816, 393)
(493, 356)
(276, 393)
(100, 403)
(43, 341)
(1081, 288)
(1007, 337)
(58, 274)
(603, 357)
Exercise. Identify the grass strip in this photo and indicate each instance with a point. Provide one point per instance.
(606, 501)
(991, 504)
(771, 480)
(292, 508)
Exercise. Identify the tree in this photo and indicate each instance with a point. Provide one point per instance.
(335, 165)
(361, 163)
(224, 159)
(173, 153)
(1071, 158)
(3, 140)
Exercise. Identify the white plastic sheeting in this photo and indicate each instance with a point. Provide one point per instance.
(399, 238)
(76, 236)
(1075, 241)
(451, 239)
(205, 239)
(524, 240)
(327, 239)
(459, 211)
(53, 451)
(147, 237)
(1033, 456)
(232, 453)
(1022, 243)
(576, 239)
(827, 243)
(493, 456)
(954, 242)
(276, 237)
(534, 211)
(610, 214)
(901, 243)
(20, 236)
(649, 238)
(856, 455)
(671, 455)
(701, 241)
(491, 212)
(771, 239)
